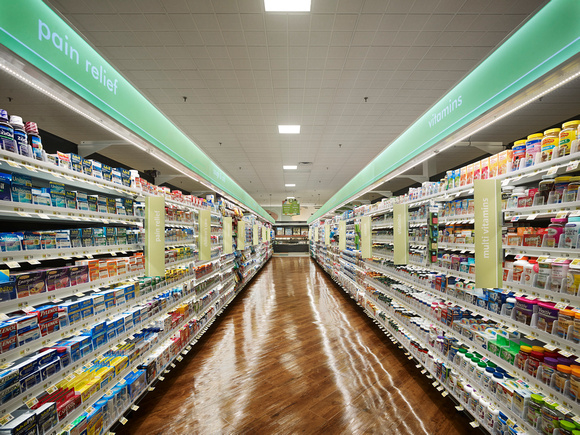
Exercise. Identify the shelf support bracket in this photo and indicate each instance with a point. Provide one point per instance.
(88, 147)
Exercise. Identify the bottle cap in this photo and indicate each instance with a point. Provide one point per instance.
(3, 115)
(16, 121)
(31, 128)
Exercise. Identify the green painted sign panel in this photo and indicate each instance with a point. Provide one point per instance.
(204, 238)
(228, 242)
(366, 238)
(154, 236)
(401, 233)
(255, 239)
(342, 235)
(532, 51)
(488, 242)
(316, 234)
(37, 34)
(326, 234)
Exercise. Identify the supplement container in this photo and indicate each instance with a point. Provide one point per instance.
(465, 361)
(559, 273)
(7, 141)
(34, 140)
(548, 369)
(546, 316)
(518, 268)
(575, 383)
(550, 141)
(523, 356)
(546, 186)
(479, 370)
(533, 147)
(566, 319)
(495, 380)
(560, 186)
(562, 375)
(486, 377)
(466, 395)
(534, 409)
(555, 230)
(571, 230)
(517, 193)
(491, 416)
(576, 330)
(473, 400)
(544, 273)
(530, 270)
(519, 154)
(571, 192)
(566, 136)
(524, 309)
(459, 356)
(20, 136)
(509, 305)
(550, 417)
(471, 367)
(481, 408)
(566, 427)
(536, 358)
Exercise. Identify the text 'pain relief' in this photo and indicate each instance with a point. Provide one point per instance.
(61, 43)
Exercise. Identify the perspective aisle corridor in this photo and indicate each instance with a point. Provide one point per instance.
(294, 355)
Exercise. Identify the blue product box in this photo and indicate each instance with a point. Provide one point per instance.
(74, 317)
(8, 377)
(92, 201)
(86, 349)
(22, 180)
(99, 340)
(24, 422)
(58, 199)
(125, 176)
(87, 312)
(107, 172)
(120, 330)
(28, 336)
(7, 291)
(46, 417)
(85, 302)
(21, 194)
(26, 367)
(5, 191)
(40, 198)
(71, 199)
(10, 242)
(99, 328)
(76, 162)
(111, 334)
(47, 356)
(50, 369)
(87, 166)
(56, 187)
(9, 392)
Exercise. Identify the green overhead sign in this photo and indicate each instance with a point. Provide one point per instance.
(545, 41)
(37, 34)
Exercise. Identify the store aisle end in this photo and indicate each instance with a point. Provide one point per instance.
(294, 355)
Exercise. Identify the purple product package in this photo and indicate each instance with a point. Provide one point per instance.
(29, 283)
(58, 278)
(79, 275)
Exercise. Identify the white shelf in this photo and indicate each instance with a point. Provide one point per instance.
(23, 211)
(12, 162)
(179, 224)
(458, 219)
(463, 247)
(179, 243)
(51, 254)
(548, 252)
(542, 211)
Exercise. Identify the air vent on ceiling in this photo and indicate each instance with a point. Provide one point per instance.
(305, 163)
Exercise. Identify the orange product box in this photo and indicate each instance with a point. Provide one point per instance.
(469, 174)
(493, 165)
(505, 162)
(122, 266)
(484, 168)
(112, 268)
(463, 176)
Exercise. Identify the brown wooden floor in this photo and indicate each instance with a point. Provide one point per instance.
(294, 355)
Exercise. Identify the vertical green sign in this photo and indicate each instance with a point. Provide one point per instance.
(154, 236)
(366, 237)
(241, 235)
(488, 249)
(264, 234)
(316, 234)
(342, 235)
(228, 242)
(204, 238)
(255, 239)
(401, 233)
(326, 234)
(268, 234)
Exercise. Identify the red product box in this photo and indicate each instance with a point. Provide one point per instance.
(8, 344)
(49, 327)
(46, 313)
(8, 330)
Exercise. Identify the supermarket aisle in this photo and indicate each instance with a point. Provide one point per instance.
(294, 355)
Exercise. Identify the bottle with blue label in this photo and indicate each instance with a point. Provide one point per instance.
(34, 141)
(6, 133)
(20, 136)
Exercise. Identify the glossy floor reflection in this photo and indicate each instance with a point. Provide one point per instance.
(294, 355)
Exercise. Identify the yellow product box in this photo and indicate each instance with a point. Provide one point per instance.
(95, 423)
(119, 363)
(112, 268)
(493, 165)
(106, 375)
(88, 389)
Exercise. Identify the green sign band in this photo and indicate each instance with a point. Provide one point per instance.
(36, 33)
(154, 236)
(401, 233)
(488, 243)
(535, 49)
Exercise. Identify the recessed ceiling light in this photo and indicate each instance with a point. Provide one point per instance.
(287, 5)
(290, 185)
(290, 167)
(289, 129)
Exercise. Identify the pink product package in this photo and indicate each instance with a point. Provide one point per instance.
(79, 274)
(57, 278)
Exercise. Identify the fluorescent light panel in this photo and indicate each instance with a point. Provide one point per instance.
(289, 129)
(290, 167)
(290, 185)
(287, 5)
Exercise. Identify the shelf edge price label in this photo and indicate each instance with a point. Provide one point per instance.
(5, 419)
(134, 408)
(123, 421)
(30, 403)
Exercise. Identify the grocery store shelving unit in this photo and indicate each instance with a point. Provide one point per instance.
(401, 299)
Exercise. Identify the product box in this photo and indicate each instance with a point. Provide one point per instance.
(49, 327)
(29, 283)
(46, 417)
(24, 422)
(79, 274)
(76, 162)
(21, 194)
(57, 278)
(102, 204)
(92, 201)
(63, 160)
(107, 172)
(40, 197)
(8, 344)
(82, 200)
(111, 205)
(30, 335)
(10, 242)
(116, 176)
(125, 176)
(31, 241)
(87, 166)
(71, 199)
(21, 180)
(5, 190)
(48, 240)
(97, 169)
(7, 291)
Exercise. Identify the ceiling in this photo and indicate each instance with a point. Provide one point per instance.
(245, 71)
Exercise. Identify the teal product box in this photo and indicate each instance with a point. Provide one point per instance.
(48, 240)
(128, 205)
(58, 199)
(75, 237)
(87, 242)
(97, 169)
(111, 205)
(56, 187)
(92, 201)
(7, 291)
(76, 162)
(21, 193)
(41, 198)
(71, 199)
(82, 200)
(21, 180)
(87, 232)
(102, 204)
(107, 172)
(10, 242)
(87, 166)
(5, 191)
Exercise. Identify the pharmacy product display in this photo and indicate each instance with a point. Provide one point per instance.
(84, 331)
(509, 356)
